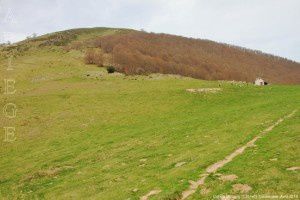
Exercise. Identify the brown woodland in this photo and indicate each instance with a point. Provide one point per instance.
(142, 53)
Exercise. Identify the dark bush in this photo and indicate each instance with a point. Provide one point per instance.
(110, 69)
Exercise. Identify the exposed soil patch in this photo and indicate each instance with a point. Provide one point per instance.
(241, 188)
(230, 177)
(100, 74)
(180, 164)
(52, 172)
(274, 159)
(163, 76)
(151, 193)
(204, 90)
(135, 190)
(94, 74)
(193, 187)
(293, 168)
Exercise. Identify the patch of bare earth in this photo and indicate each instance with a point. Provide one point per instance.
(293, 168)
(241, 188)
(193, 187)
(216, 166)
(204, 90)
(151, 193)
(273, 159)
(52, 172)
(230, 177)
(180, 164)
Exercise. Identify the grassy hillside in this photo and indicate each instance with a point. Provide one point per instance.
(137, 52)
(84, 134)
(266, 164)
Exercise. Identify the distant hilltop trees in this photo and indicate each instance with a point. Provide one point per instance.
(7, 43)
(32, 36)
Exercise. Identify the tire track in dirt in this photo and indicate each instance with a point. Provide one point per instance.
(216, 166)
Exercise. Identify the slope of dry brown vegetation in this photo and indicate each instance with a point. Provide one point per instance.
(141, 53)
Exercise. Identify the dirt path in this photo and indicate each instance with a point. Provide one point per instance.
(214, 167)
(151, 193)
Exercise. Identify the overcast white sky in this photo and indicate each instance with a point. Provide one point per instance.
(272, 26)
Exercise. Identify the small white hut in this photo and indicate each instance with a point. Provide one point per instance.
(259, 81)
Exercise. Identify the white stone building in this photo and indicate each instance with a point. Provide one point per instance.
(259, 81)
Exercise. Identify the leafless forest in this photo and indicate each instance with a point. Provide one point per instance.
(143, 53)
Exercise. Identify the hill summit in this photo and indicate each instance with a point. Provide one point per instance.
(138, 52)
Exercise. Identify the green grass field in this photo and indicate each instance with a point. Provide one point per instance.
(84, 134)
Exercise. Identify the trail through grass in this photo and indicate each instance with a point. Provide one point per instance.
(119, 137)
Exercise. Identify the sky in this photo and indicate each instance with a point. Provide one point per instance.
(272, 26)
